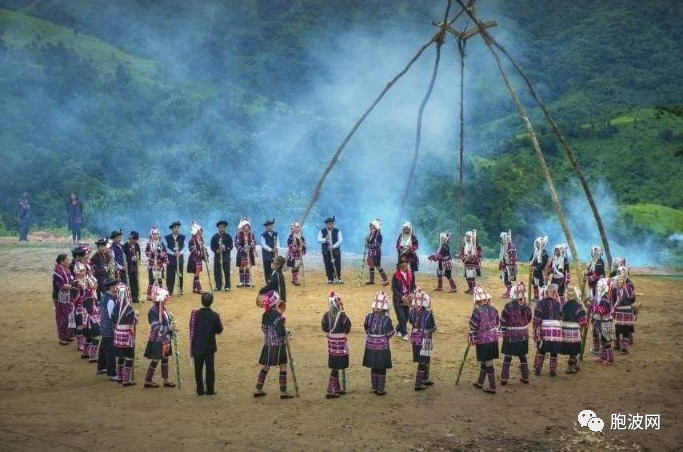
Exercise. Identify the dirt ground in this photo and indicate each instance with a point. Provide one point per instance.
(52, 399)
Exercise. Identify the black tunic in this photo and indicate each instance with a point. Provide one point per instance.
(276, 283)
(274, 351)
(343, 326)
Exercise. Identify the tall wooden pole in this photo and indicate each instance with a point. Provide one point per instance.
(347, 138)
(420, 113)
(534, 140)
(461, 165)
(567, 149)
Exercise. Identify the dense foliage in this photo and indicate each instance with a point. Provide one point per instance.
(601, 66)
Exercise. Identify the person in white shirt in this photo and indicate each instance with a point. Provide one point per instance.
(331, 240)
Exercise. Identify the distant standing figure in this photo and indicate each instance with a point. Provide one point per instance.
(74, 208)
(24, 215)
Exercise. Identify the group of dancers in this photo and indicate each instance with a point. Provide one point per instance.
(94, 300)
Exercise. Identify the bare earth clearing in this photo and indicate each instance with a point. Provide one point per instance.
(52, 399)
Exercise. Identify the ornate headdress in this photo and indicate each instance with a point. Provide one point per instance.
(161, 295)
(470, 242)
(481, 295)
(243, 222)
(154, 230)
(80, 270)
(618, 262)
(573, 293)
(421, 299)
(123, 293)
(539, 246)
(195, 228)
(381, 301)
(505, 239)
(623, 271)
(377, 223)
(444, 238)
(271, 299)
(596, 253)
(334, 303)
(518, 292)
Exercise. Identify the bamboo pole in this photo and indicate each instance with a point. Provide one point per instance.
(567, 149)
(534, 140)
(347, 138)
(418, 132)
(338, 151)
(461, 171)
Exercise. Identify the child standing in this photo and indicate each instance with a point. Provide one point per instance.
(484, 324)
(337, 325)
(444, 264)
(274, 351)
(514, 323)
(378, 330)
(422, 320)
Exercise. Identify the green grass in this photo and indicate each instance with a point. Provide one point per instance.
(658, 219)
(21, 30)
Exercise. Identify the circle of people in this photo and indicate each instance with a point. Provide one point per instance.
(94, 297)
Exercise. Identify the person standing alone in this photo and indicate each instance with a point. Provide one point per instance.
(205, 324)
(74, 208)
(24, 216)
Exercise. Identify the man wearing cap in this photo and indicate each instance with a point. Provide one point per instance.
(119, 256)
(101, 263)
(331, 240)
(132, 251)
(106, 360)
(269, 248)
(79, 254)
(221, 245)
(175, 244)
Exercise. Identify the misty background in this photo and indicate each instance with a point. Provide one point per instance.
(154, 111)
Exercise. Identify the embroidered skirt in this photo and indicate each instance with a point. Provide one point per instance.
(338, 351)
(571, 339)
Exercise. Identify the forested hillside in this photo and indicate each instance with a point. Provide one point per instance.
(153, 110)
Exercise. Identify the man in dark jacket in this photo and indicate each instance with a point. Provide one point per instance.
(205, 324)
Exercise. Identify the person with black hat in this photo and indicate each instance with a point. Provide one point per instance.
(106, 360)
(175, 244)
(80, 254)
(119, 256)
(102, 265)
(221, 245)
(331, 240)
(132, 251)
(270, 244)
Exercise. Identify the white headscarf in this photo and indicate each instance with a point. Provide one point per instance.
(470, 244)
(406, 239)
(505, 239)
(539, 246)
(596, 253)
